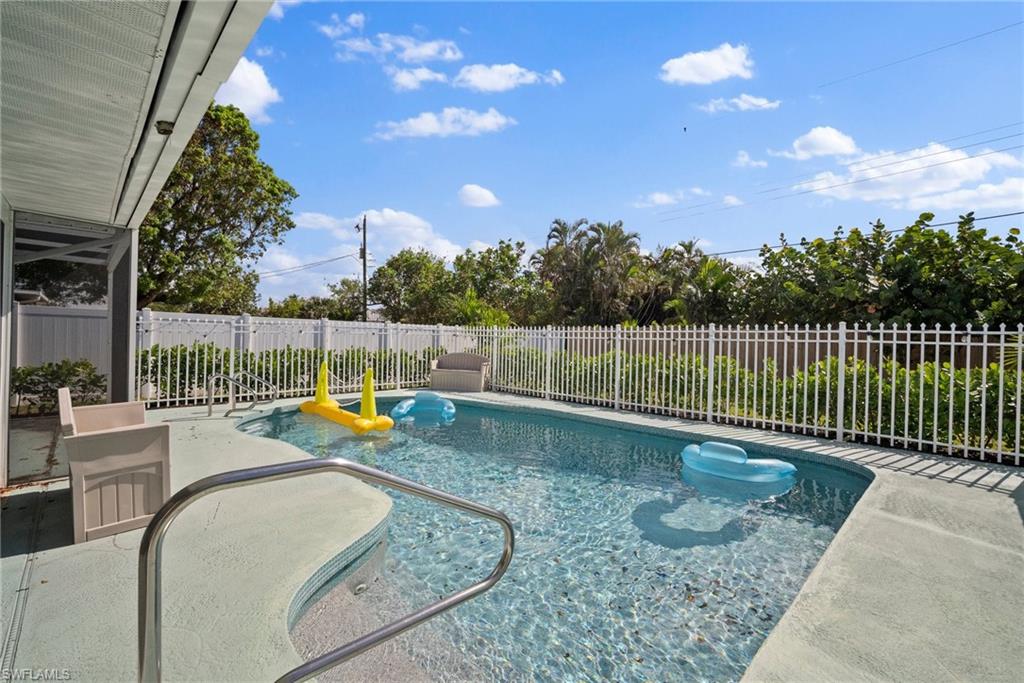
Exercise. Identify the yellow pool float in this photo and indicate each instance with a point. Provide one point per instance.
(326, 407)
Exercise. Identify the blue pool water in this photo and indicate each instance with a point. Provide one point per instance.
(622, 571)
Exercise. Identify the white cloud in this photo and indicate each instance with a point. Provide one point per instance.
(745, 262)
(276, 10)
(709, 66)
(732, 200)
(933, 176)
(356, 20)
(278, 258)
(450, 121)
(502, 77)
(744, 102)
(477, 196)
(404, 80)
(265, 51)
(479, 245)
(818, 142)
(249, 89)
(339, 27)
(309, 281)
(390, 231)
(317, 221)
(1008, 194)
(659, 199)
(744, 160)
(405, 49)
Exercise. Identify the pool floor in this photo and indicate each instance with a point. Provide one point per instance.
(623, 569)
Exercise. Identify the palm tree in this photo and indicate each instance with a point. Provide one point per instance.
(559, 262)
(705, 297)
(613, 255)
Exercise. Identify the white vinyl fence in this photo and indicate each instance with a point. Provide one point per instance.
(45, 334)
(942, 390)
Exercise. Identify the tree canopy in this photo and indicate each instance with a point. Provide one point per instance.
(220, 209)
(595, 274)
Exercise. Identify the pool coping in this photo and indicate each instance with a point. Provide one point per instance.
(868, 609)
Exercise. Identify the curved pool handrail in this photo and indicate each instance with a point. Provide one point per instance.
(152, 541)
(236, 381)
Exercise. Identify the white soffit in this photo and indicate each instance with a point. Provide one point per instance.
(83, 83)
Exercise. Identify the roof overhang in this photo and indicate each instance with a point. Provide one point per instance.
(82, 85)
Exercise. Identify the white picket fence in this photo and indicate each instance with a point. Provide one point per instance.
(943, 390)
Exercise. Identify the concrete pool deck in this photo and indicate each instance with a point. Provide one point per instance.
(923, 581)
(234, 565)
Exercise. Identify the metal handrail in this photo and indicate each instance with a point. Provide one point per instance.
(152, 541)
(235, 381)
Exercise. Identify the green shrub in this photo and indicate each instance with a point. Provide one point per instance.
(36, 386)
(679, 383)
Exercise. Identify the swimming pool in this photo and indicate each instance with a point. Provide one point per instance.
(623, 570)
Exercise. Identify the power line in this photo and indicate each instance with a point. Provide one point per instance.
(891, 232)
(921, 54)
(303, 266)
(851, 182)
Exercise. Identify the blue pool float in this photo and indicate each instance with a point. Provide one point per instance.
(731, 462)
(425, 406)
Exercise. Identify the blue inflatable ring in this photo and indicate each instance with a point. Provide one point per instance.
(731, 462)
(425, 406)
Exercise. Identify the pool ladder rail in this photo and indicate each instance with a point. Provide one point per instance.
(152, 540)
(239, 380)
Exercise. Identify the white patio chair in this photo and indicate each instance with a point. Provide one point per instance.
(120, 466)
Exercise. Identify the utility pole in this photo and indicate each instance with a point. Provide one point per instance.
(362, 255)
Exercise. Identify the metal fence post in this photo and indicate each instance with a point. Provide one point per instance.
(841, 397)
(711, 372)
(398, 355)
(618, 366)
(547, 362)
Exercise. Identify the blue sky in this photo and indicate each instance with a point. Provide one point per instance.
(456, 125)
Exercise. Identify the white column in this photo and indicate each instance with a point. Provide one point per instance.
(6, 293)
(122, 278)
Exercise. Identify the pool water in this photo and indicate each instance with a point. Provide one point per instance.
(623, 570)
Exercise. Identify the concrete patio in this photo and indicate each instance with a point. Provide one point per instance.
(921, 583)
